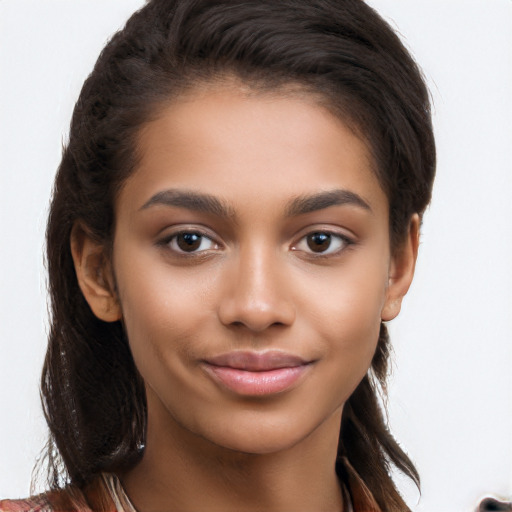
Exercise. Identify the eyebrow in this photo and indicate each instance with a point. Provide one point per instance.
(207, 203)
(321, 200)
(199, 202)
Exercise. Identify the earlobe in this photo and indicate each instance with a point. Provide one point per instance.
(94, 274)
(401, 271)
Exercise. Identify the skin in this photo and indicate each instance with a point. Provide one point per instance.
(257, 281)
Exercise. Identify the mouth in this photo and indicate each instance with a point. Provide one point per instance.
(257, 374)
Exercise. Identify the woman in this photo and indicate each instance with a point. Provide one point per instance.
(235, 216)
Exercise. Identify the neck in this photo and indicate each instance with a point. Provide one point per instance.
(193, 474)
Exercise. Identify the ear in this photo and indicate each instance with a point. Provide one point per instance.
(94, 274)
(401, 270)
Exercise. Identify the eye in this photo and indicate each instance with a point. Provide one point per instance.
(190, 242)
(322, 242)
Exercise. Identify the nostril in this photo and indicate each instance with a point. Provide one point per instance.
(256, 326)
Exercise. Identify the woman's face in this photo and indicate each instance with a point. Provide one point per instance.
(253, 267)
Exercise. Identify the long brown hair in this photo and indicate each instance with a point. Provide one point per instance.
(340, 50)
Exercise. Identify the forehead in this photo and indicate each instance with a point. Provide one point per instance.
(239, 144)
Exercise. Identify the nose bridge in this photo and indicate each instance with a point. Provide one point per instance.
(257, 296)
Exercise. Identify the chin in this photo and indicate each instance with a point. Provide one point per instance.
(271, 433)
(261, 443)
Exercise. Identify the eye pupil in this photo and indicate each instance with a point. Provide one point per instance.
(188, 241)
(319, 242)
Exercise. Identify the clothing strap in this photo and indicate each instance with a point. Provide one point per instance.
(117, 494)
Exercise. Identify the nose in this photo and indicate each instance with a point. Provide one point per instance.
(256, 294)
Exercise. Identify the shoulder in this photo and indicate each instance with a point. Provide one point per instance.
(35, 504)
(69, 499)
(103, 494)
(57, 501)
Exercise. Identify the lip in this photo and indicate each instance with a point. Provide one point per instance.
(257, 374)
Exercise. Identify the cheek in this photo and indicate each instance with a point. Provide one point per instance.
(346, 317)
(163, 313)
(164, 336)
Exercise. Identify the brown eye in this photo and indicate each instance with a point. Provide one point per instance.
(323, 243)
(188, 241)
(319, 242)
(191, 242)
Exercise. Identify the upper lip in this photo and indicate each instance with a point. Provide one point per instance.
(256, 361)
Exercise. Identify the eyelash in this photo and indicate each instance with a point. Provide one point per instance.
(343, 243)
(171, 240)
(342, 240)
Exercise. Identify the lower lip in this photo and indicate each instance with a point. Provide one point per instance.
(259, 383)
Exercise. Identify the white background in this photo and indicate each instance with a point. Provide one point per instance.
(450, 399)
